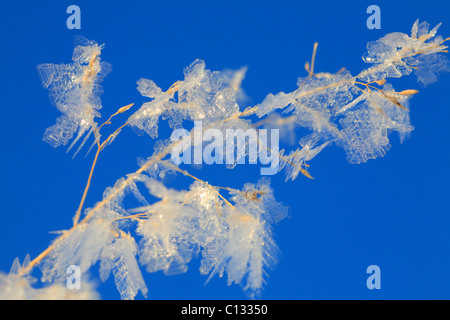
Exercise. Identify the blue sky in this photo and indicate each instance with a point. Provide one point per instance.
(392, 212)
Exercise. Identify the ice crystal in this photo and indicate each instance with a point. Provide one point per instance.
(202, 95)
(74, 89)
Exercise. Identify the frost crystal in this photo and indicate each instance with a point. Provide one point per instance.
(397, 54)
(249, 248)
(74, 89)
(351, 111)
(127, 274)
(203, 95)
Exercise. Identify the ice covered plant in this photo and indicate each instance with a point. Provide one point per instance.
(230, 230)
(74, 89)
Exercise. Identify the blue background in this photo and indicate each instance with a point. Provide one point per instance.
(392, 212)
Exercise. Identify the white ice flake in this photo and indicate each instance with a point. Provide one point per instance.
(75, 91)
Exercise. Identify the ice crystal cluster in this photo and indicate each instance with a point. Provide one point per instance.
(230, 230)
(75, 91)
